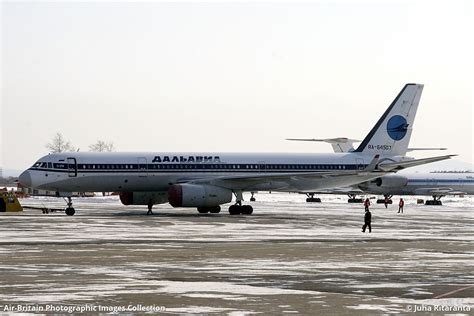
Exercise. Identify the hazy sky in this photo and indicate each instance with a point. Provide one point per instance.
(242, 76)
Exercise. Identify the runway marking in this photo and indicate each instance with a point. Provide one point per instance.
(455, 291)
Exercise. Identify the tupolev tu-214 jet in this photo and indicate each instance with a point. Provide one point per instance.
(207, 180)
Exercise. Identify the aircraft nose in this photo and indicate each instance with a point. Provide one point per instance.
(25, 179)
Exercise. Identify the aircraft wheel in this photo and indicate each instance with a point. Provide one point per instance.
(215, 209)
(235, 210)
(247, 210)
(252, 199)
(203, 210)
(70, 211)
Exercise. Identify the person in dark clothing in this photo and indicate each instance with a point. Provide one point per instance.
(385, 201)
(150, 207)
(400, 206)
(367, 221)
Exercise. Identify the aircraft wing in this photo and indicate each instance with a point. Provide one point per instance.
(328, 179)
(396, 166)
(340, 190)
(243, 182)
(294, 179)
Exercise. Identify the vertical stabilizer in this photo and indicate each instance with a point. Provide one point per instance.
(391, 135)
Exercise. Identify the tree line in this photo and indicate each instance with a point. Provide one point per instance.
(60, 144)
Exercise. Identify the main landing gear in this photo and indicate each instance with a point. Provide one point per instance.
(238, 208)
(435, 201)
(209, 209)
(69, 209)
(353, 199)
(312, 199)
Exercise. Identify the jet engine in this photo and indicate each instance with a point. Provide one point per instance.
(142, 198)
(391, 181)
(193, 195)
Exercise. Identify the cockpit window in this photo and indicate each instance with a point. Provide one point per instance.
(44, 165)
(37, 164)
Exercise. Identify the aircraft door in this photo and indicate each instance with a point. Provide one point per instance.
(142, 167)
(72, 167)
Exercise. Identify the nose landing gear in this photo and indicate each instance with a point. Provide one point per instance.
(252, 198)
(69, 209)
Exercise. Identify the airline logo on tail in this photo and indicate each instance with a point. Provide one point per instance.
(397, 127)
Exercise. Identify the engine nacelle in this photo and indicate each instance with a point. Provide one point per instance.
(391, 181)
(142, 198)
(194, 195)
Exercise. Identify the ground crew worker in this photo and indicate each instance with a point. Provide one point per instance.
(150, 206)
(385, 201)
(367, 221)
(400, 206)
(366, 204)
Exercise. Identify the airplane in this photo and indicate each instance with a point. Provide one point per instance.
(207, 180)
(435, 184)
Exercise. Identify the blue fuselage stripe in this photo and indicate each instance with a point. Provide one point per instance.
(159, 168)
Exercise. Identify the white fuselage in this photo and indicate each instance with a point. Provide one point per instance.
(120, 172)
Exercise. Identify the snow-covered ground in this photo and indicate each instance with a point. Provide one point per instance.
(289, 256)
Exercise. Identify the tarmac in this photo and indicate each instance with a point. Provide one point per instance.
(289, 257)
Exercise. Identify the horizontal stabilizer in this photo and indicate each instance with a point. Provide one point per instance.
(417, 149)
(339, 144)
(327, 140)
(395, 166)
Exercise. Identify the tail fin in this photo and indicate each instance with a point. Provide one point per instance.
(391, 134)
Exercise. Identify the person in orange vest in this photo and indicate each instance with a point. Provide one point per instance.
(400, 206)
(367, 204)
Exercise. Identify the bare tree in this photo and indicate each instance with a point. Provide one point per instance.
(101, 146)
(59, 144)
